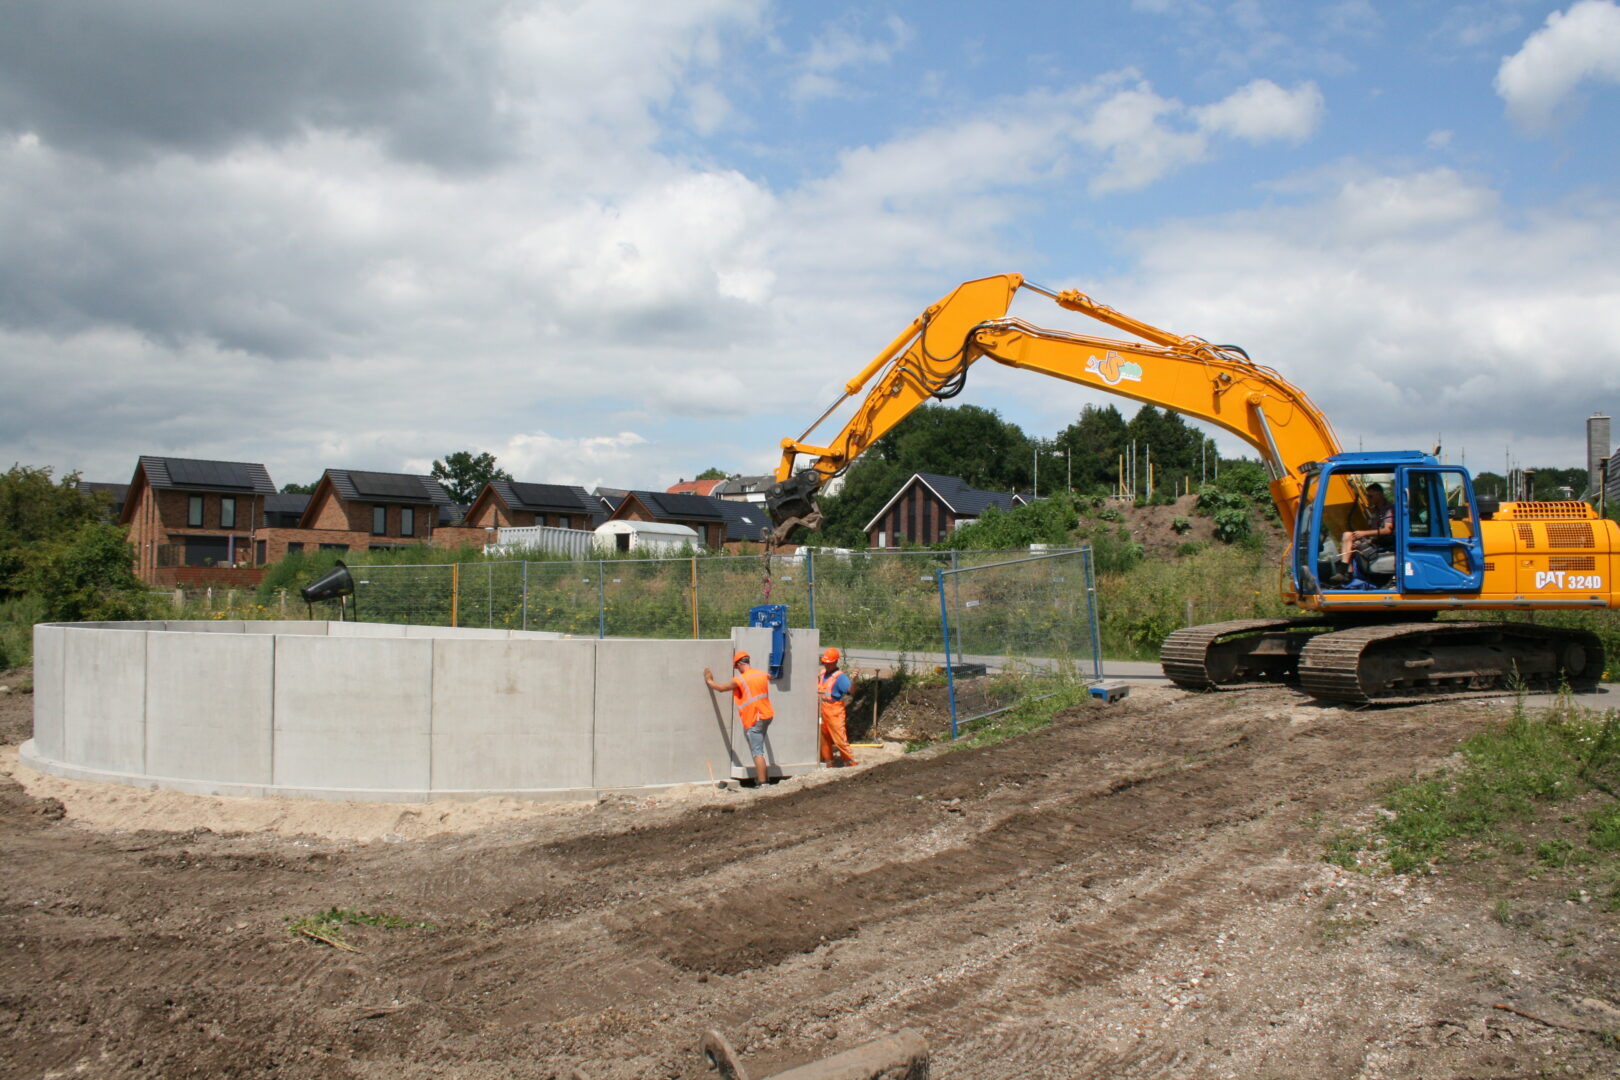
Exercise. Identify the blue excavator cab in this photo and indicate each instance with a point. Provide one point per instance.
(1433, 547)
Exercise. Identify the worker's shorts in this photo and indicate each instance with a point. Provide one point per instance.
(756, 737)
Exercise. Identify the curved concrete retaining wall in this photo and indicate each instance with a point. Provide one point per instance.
(377, 711)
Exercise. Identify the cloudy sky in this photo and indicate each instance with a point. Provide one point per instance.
(618, 241)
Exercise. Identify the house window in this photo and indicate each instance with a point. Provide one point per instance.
(194, 512)
(227, 513)
(407, 521)
(379, 521)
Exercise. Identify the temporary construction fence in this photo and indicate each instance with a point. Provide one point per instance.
(1017, 629)
(1015, 614)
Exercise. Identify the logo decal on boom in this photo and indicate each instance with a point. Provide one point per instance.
(1113, 369)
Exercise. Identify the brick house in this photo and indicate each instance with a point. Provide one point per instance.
(192, 521)
(928, 507)
(357, 511)
(697, 512)
(510, 504)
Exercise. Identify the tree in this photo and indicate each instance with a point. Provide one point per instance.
(967, 441)
(299, 489)
(712, 473)
(35, 510)
(87, 576)
(464, 475)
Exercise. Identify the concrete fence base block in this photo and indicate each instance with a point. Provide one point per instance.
(389, 713)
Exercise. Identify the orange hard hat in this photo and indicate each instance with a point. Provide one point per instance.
(739, 655)
(830, 656)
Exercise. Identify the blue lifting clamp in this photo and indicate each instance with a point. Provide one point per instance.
(774, 618)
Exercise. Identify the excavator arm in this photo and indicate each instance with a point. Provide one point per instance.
(930, 358)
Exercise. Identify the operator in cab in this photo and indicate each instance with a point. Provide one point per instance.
(1380, 531)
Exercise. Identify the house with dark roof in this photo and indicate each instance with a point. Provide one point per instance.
(745, 522)
(356, 510)
(192, 521)
(510, 504)
(284, 511)
(929, 506)
(698, 512)
(749, 489)
(115, 495)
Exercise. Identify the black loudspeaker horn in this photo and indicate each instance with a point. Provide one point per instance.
(332, 585)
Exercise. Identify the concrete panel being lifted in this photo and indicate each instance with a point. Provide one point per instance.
(50, 646)
(208, 706)
(656, 721)
(104, 699)
(513, 716)
(353, 713)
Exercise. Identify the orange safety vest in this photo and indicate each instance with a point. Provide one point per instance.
(830, 709)
(752, 690)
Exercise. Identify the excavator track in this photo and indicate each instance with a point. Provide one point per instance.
(1410, 663)
(1237, 655)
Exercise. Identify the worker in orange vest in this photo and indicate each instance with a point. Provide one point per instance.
(832, 688)
(752, 690)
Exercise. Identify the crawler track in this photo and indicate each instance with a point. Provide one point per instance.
(1237, 655)
(1406, 663)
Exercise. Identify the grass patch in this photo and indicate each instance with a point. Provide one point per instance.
(1031, 714)
(1523, 792)
(327, 926)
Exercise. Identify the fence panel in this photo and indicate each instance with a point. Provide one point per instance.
(424, 594)
(1018, 629)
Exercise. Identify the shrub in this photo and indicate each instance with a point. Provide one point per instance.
(88, 576)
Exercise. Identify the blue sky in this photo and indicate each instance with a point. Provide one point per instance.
(619, 242)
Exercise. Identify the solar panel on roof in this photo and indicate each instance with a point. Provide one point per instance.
(685, 506)
(188, 472)
(550, 496)
(383, 485)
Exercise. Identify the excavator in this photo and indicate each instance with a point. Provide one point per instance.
(1372, 635)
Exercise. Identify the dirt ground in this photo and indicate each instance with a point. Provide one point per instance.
(1137, 891)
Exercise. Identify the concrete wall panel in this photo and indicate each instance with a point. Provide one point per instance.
(513, 715)
(104, 699)
(364, 630)
(208, 706)
(656, 722)
(474, 632)
(353, 713)
(286, 626)
(205, 626)
(50, 646)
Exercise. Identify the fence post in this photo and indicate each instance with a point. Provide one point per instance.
(945, 628)
(489, 594)
(525, 594)
(810, 589)
(455, 593)
(956, 598)
(694, 599)
(601, 599)
(1091, 611)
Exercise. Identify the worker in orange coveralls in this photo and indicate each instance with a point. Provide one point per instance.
(752, 690)
(832, 689)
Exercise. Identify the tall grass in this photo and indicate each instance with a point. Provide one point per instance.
(1142, 606)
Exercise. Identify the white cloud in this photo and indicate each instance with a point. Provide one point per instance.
(843, 46)
(1262, 111)
(1575, 46)
(1405, 306)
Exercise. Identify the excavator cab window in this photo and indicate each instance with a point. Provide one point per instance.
(1347, 504)
(1441, 549)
